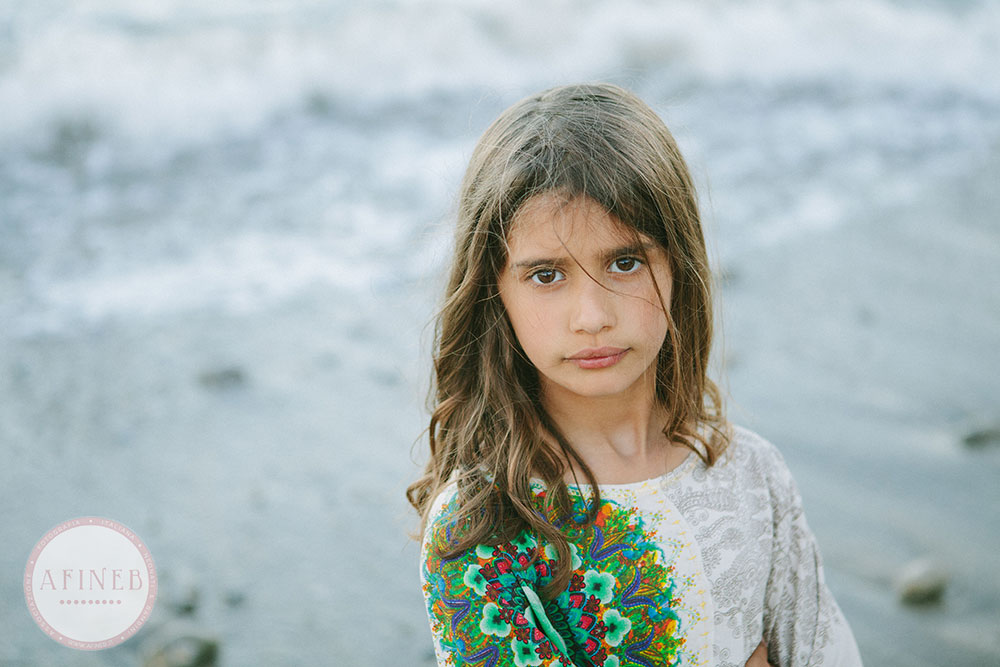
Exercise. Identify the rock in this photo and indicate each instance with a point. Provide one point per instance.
(185, 602)
(179, 592)
(921, 582)
(234, 598)
(228, 377)
(385, 377)
(866, 316)
(982, 438)
(733, 360)
(180, 646)
(729, 276)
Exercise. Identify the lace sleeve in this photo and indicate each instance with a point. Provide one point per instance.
(802, 623)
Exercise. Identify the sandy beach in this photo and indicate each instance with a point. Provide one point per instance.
(869, 354)
(279, 446)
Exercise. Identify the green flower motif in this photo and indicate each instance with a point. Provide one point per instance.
(493, 623)
(524, 654)
(612, 661)
(576, 564)
(524, 540)
(599, 584)
(617, 627)
(484, 551)
(474, 580)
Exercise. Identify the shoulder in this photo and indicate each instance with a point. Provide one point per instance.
(444, 505)
(745, 439)
(441, 535)
(440, 520)
(750, 448)
(759, 459)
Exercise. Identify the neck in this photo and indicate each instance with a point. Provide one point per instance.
(620, 437)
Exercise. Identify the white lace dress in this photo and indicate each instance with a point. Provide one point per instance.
(691, 568)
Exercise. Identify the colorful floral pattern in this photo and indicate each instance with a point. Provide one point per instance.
(620, 607)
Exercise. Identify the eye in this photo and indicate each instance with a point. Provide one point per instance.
(625, 265)
(546, 276)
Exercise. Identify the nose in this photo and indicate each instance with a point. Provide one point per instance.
(592, 308)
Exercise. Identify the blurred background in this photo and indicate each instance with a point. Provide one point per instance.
(223, 228)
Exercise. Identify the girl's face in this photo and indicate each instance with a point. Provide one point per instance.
(582, 301)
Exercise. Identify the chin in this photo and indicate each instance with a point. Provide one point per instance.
(597, 389)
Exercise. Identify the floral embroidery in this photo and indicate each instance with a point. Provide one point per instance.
(475, 580)
(524, 654)
(478, 609)
(617, 609)
(599, 584)
(619, 604)
(493, 622)
(616, 626)
(550, 553)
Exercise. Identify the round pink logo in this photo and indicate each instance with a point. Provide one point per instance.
(90, 583)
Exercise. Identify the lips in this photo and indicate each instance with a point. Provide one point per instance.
(598, 357)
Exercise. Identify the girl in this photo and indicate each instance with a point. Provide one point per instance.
(586, 502)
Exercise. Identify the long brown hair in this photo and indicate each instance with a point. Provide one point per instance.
(486, 428)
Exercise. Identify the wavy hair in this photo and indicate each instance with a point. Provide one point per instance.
(487, 423)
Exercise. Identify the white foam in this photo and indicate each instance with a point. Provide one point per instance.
(240, 274)
(183, 71)
(158, 76)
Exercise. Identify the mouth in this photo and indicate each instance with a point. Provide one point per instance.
(598, 357)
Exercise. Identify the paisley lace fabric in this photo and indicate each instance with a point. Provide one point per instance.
(691, 568)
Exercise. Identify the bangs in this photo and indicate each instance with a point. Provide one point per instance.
(574, 157)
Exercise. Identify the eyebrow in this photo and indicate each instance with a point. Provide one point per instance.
(632, 249)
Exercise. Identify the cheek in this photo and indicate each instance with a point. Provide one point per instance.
(655, 314)
(533, 331)
(652, 319)
(655, 322)
(527, 323)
